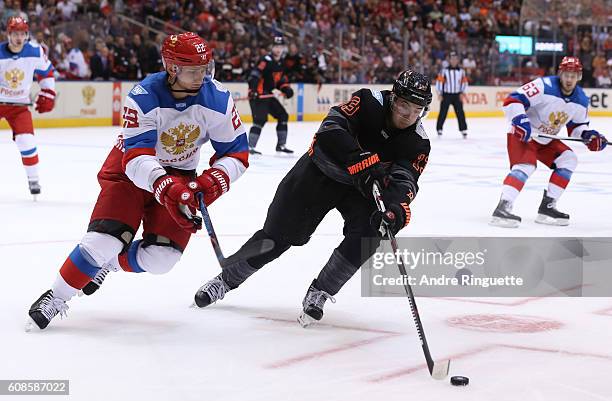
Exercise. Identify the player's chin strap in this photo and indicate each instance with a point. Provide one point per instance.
(172, 81)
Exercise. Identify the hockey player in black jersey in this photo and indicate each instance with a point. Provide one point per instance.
(268, 75)
(375, 136)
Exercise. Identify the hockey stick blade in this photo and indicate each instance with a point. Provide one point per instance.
(439, 370)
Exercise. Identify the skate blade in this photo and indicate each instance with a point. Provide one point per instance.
(34, 198)
(284, 155)
(551, 221)
(30, 326)
(305, 321)
(505, 223)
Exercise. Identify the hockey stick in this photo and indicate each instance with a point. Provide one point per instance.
(561, 138)
(15, 104)
(569, 138)
(267, 96)
(437, 370)
(254, 249)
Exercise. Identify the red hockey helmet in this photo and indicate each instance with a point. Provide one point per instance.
(17, 24)
(185, 49)
(570, 64)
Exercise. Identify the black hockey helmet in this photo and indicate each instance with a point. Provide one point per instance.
(279, 41)
(413, 87)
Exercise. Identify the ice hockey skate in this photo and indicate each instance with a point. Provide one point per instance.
(283, 149)
(503, 217)
(34, 187)
(98, 279)
(548, 213)
(313, 305)
(211, 292)
(44, 309)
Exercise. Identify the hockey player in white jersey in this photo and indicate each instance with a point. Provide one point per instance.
(545, 106)
(150, 174)
(20, 63)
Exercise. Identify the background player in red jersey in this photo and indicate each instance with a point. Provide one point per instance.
(544, 107)
(20, 63)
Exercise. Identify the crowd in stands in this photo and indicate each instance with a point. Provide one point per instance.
(348, 41)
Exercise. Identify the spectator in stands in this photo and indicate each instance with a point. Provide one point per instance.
(101, 64)
(372, 30)
(121, 59)
(295, 64)
(74, 65)
(469, 64)
(39, 39)
(66, 9)
(603, 76)
(134, 70)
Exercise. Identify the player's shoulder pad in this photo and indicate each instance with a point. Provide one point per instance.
(369, 97)
(420, 131)
(377, 95)
(267, 57)
(30, 50)
(146, 93)
(580, 97)
(213, 95)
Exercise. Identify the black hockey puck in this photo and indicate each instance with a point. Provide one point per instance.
(460, 381)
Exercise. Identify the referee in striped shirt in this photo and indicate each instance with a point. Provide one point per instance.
(450, 84)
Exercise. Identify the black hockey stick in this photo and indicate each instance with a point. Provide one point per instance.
(562, 138)
(438, 370)
(15, 104)
(254, 249)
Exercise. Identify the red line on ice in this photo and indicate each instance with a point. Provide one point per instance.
(334, 326)
(340, 348)
(514, 303)
(313, 355)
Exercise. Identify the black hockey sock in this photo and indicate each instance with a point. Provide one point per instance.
(254, 133)
(336, 272)
(281, 132)
(237, 273)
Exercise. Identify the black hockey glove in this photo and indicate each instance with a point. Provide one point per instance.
(365, 168)
(395, 217)
(252, 95)
(287, 91)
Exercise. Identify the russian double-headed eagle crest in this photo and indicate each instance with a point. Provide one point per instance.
(14, 77)
(557, 120)
(179, 139)
(88, 93)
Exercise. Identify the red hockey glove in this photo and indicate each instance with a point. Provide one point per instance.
(171, 193)
(45, 101)
(594, 140)
(212, 183)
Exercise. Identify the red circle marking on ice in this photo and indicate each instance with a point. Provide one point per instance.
(504, 323)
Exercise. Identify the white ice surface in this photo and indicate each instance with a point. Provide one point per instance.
(138, 339)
